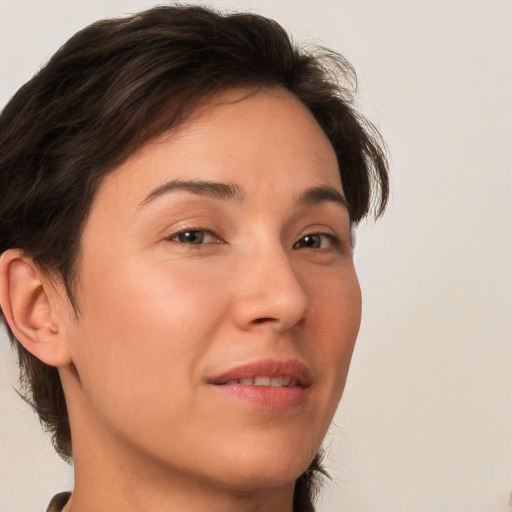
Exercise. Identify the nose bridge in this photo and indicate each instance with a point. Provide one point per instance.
(269, 289)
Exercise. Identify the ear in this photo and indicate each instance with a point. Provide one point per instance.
(28, 309)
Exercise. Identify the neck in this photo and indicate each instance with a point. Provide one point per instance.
(127, 488)
(113, 474)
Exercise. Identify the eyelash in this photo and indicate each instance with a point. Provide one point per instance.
(204, 231)
(333, 240)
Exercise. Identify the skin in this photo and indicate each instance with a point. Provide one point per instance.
(160, 316)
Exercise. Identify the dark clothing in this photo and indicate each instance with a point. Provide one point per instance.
(58, 502)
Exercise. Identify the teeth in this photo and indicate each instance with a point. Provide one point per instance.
(275, 382)
(262, 381)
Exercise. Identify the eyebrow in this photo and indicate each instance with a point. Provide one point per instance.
(230, 191)
(324, 193)
(225, 191)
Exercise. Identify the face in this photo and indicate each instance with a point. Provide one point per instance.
(218, 299)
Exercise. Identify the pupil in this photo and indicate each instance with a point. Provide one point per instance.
(311, 241)
(192, 237)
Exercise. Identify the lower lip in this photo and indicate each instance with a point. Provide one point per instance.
(272, 398)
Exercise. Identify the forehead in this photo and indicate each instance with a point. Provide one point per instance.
(251, 138)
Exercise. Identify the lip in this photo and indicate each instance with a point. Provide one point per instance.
(267, 397)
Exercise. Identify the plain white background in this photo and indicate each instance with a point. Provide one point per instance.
(425, 424)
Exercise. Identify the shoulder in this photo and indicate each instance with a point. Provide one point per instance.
(58, 502)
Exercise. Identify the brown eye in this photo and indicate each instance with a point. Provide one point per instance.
(191, 237)
(194, 237)
(314, 241)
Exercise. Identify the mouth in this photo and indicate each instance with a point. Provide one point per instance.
(270, 384)
(267, 373)
(273, 382)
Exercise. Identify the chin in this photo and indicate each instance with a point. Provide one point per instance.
(249, 471)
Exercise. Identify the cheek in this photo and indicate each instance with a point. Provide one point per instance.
(143, 329)
(334, 331)
(336, 306)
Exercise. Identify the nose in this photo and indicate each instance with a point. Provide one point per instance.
(269, 292)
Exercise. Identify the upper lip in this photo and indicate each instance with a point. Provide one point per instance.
(266, 368)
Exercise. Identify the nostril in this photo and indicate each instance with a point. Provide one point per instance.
(263, 320)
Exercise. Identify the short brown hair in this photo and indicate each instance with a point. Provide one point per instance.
(119, 83)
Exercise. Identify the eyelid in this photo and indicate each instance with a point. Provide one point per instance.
(171, 237)
(334, 240)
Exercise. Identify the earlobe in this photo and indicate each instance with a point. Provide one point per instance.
(28, 309)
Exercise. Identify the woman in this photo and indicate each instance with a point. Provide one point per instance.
(176, 269)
